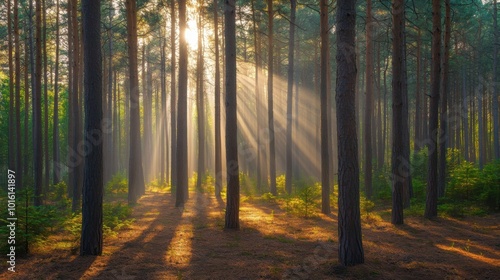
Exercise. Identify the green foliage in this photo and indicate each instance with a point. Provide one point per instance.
(464, 182)
(33, 223)
(305, 202)
(490, 186)
(117, 184)
(419, 164)
(381, 185)
(280, 184)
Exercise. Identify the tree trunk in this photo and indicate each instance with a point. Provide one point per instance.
(218, 152)
(399, 174)
(75, 109)
(55, 144)
(12, 134)
(432, 188)
(496, 141)
(289, 108)
(270, 106)
(17, 63)
(349, 221)
(233, 184)
(37, 108)
(418, 98)
(173, 99)
(45, 100)
(444, 134)
(369, 102)
(182, 157)
(325, 157)
(200, 98)
(91, 238)
(136, 175)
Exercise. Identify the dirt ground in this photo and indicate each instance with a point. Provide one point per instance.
(169, 243)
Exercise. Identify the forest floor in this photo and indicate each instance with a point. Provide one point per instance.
(169, 243)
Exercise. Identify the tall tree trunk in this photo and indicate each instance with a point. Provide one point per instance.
(182, 156)
(325, 106)
(27, 58)
(349, 222)
(136, 175)
(75, 109)
(12, 135)
(233, 184)
(45, 100)
(37, 108)
(399, 174)
(496, 135)
(407, 186)
(369, 102)
(289, 108)
(173, 99)
(91, 237)
(270, 106)
(112, 163)
(465, 118)
(17, 64)
(418, 98)
(55, 144)
(163, 115)
(444, 134)
(218, 155)
(200, 98)
(432, 187)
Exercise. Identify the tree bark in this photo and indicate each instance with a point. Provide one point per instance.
(418, 98)
(37, 108)
(233, 184)
(432, 188)
(218, 152)
(325, 106)
(17, 64)
(496, 135)
(173, 99)
(349, 221)
(270, 100)
(45, 100)
(12, 134)
(444, 134)
(200, 98)
(91, 238)
(55, 144)
(398, 173)
(136, 175)
(75, 109)
(182, 157)
(368, 168)
(289, 108)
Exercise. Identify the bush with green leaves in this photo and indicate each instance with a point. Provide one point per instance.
(419, 164)
(489, 183)
(305, 201)
(117, 184)
(464, 182)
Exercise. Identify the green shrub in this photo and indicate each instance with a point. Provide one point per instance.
(117, 184)
(419, 164)
(489, 183)
(464, 182)
(305, 202)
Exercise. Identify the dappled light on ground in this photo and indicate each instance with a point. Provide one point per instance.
(165, 242)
